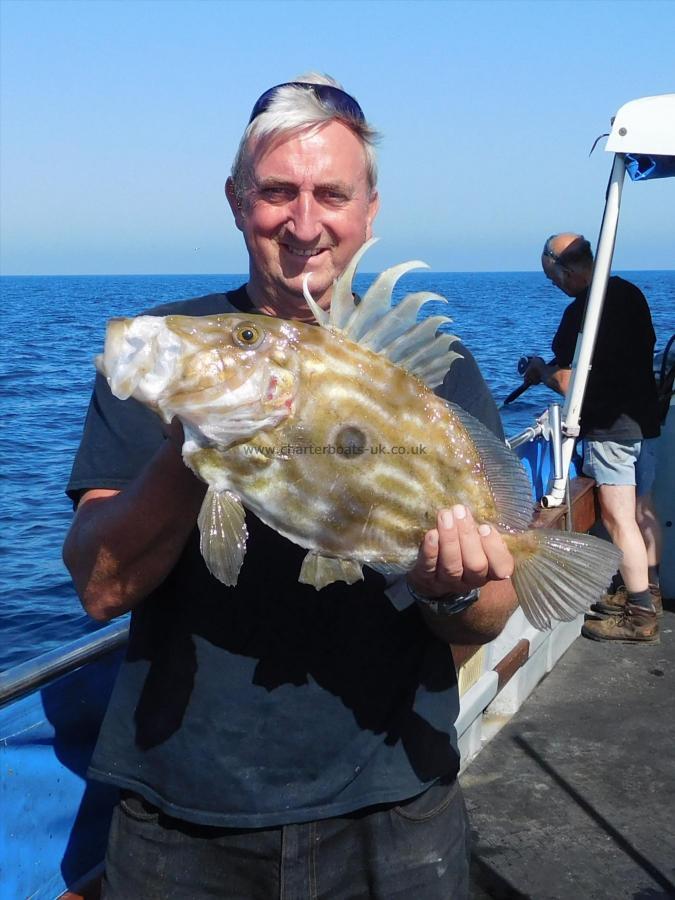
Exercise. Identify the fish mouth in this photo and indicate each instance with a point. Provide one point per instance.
(139, 358)
(122, 381)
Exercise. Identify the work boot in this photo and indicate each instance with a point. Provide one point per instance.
(614, 604)
(632, 625)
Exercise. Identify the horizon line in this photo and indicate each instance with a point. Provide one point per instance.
(245, 275)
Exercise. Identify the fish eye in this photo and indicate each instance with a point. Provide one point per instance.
(248, 335)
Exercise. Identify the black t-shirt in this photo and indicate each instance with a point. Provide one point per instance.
(268, 703)
(620, 403)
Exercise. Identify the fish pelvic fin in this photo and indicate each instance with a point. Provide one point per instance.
(222, 535)
(558, 574)
(320, 571)
(418, 347)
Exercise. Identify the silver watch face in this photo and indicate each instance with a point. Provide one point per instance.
(447, 606)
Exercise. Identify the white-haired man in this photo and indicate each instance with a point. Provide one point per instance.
(619, 416)
(270, 740)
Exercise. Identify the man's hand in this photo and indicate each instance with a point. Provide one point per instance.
(534, 374)
(174, 433)
(550, 374)
(458, 555)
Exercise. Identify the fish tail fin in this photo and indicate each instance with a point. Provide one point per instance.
(558, 574)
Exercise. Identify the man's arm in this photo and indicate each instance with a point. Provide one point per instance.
(481, 622)
(123, 544)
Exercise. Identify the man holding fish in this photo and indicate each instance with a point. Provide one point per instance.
(268, 738)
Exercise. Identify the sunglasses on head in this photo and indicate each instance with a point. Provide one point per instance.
(551, 255)
(565, 259)
(556, 258)
(331, 97)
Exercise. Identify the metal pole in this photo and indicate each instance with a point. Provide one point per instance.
(556, 440)
(568, 501)
(583, 353)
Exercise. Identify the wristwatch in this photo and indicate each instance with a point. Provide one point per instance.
(448, 604)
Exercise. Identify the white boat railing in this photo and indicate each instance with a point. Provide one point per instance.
(546, 426)
(35, 673)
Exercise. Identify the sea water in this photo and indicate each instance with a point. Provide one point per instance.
(52, 327)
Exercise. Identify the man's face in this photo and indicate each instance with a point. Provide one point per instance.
(309, 210)
(567, 280)
(553, 272)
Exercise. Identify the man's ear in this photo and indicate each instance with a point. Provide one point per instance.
(235, 204)
(373, 207)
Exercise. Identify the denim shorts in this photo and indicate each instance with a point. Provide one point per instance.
(611, 462)
(645, 469)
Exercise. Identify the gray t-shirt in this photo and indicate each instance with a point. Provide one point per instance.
(268, 703)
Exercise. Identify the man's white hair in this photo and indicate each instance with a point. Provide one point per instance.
(295, 108)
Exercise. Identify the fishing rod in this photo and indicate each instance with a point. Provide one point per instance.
(523, 363)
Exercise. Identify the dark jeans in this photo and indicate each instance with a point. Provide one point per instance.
(418, 849)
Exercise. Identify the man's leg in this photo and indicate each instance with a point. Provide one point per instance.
(637, 620)
(645, 474)
(618, 509)
(152, 856)
(419, 849)
(613, 467)
(650, 529)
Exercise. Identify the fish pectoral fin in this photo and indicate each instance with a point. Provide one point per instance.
(222, 535)
(319, 570)
(558, 574)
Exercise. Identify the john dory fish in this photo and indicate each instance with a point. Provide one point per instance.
(314, 428)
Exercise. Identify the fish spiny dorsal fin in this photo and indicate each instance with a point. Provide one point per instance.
(431, 363)
(342, 301)
(508, 481)
(434, 373)
(322, 316)
(422, 351)
(376, 302)
(398, 320)
(394, 331)
(418, 338)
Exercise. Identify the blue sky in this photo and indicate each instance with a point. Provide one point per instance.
(120, 119)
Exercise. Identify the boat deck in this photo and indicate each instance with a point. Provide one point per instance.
(575, 797)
